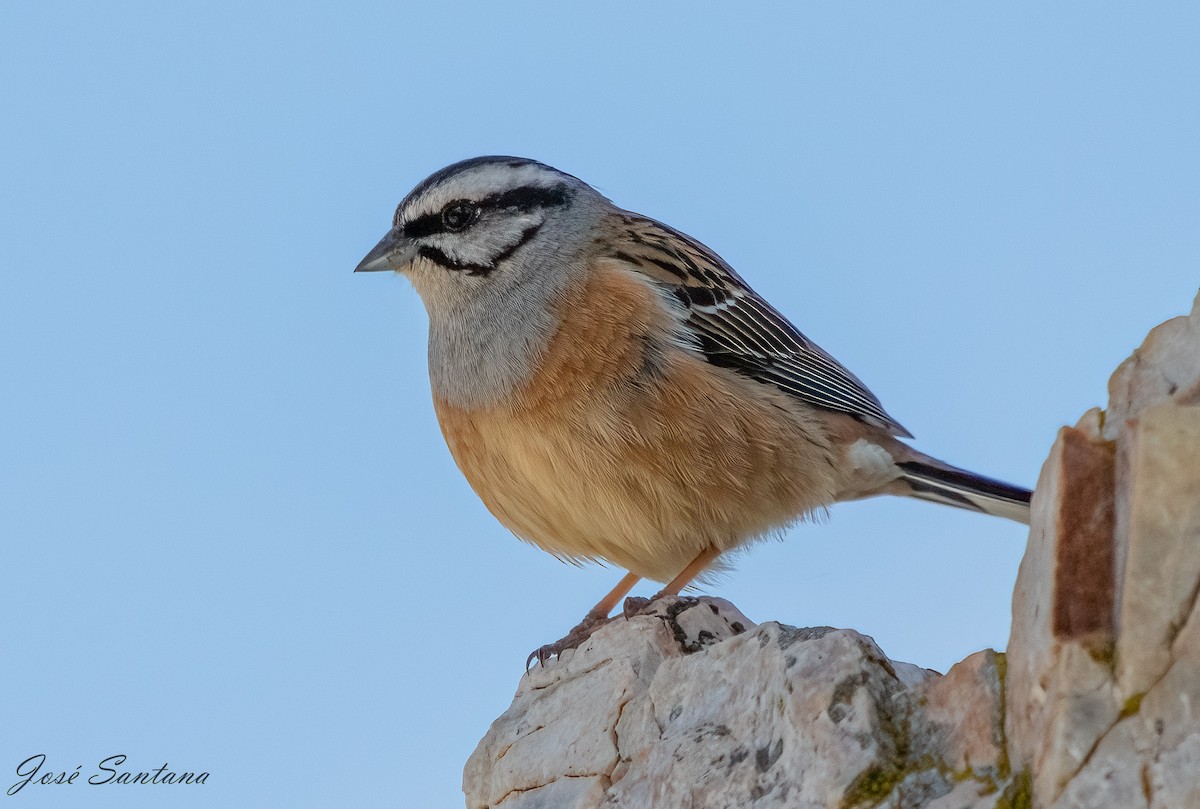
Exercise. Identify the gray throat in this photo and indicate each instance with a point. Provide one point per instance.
(488, 347)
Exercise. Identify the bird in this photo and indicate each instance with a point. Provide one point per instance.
(614, 392)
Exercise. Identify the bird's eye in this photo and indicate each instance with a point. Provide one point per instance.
(457, 215)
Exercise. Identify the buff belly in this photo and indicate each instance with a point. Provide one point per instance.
(647, 480)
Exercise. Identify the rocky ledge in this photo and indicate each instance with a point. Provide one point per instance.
(1095, 705)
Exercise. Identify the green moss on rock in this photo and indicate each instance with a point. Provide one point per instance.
(1018, 794)
(1132, 705)
(871, 786)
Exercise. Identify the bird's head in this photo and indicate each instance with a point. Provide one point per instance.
(485, 224)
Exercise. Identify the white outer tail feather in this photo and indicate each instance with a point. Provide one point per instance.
(941, 483)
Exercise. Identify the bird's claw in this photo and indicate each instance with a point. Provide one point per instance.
(572, 640)
(543, 653)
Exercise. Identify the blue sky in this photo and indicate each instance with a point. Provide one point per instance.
(233, 539)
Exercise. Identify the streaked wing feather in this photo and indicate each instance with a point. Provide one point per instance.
(736, 328)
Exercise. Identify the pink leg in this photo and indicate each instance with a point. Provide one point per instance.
(596, 617)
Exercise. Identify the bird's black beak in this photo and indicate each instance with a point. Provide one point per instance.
(394, 252)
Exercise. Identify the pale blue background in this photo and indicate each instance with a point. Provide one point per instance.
(232, 537)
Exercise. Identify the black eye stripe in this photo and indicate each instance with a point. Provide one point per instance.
(426, 225)
(523, 199)
(527, 198)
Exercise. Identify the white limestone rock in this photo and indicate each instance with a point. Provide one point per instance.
(1102, 675)
(1159, 532)
(962, 716)
(1165, 367)
(699, 707)
(1151, 757)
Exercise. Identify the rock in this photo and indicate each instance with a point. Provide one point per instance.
(1165, 367)
(1095, 706)
(699, 707)
(1151, 757)
(963, 718)
(1160, 533)
(1060, 692)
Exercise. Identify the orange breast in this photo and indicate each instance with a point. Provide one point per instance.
(625, 448)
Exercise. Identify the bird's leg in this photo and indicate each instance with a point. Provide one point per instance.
(635, 605)
(596, 617)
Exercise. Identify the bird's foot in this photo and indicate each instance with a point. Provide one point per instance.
(581, 632)
(636, 605)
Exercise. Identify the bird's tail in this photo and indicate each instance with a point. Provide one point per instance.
(938, 482)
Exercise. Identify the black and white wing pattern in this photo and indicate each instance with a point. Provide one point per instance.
(735, 328)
